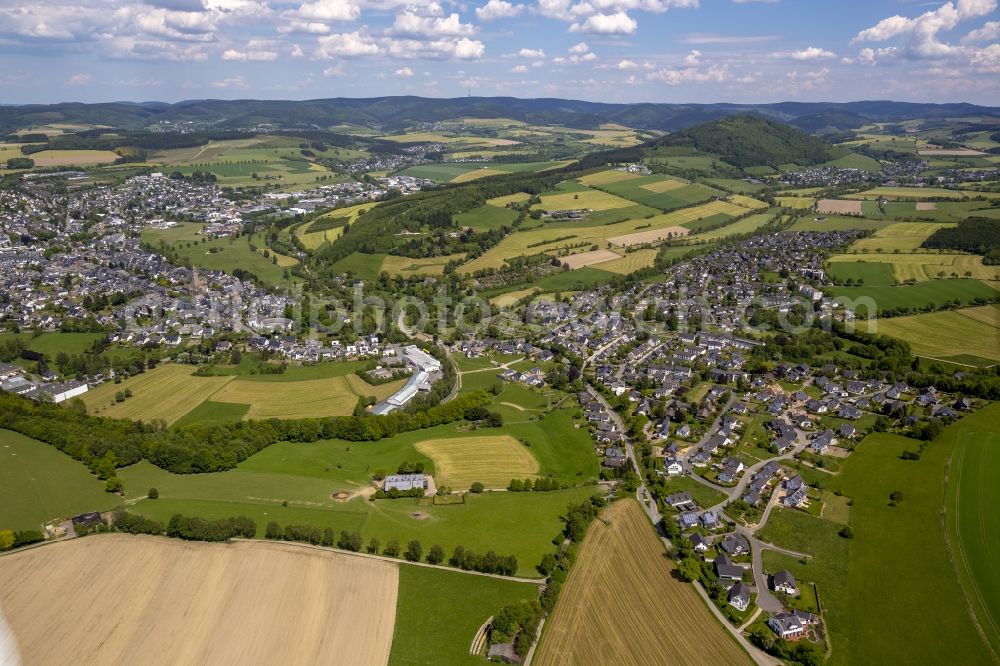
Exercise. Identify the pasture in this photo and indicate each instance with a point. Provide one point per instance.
(439, 612)
(490, 460)
(663, 193)
(516, 198)
(617, 604)
(487, 217)
(944, 335)
(971, 523)
(871, 616)
(39, 483)
(920, 295)
(744, 226)
(232, 603)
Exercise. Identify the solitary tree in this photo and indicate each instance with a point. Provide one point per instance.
(414, 551)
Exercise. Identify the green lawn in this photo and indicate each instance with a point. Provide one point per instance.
(873, 273)
(891, 593)
(486, 217)
(39, 483)
(213, 413)
(973, 523)
(701, 493)
(439, 612)
(222, 254)
(361, 266)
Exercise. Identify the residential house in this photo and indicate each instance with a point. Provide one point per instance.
(784, 581)
(726, 570)
(739, 596)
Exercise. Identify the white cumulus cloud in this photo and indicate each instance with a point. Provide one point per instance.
(618, 23)
(498, 9)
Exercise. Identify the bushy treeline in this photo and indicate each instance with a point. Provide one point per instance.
(185, 527)
(978, 235)
(101, 442)
(467, 560)
(541, 484)
(9, 539)
(517, 623)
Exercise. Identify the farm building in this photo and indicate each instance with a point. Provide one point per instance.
(405, 482)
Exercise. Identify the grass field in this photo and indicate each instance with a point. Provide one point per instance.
(439, 612)
(51, 344)
(221, 254)
(935, 292)
(490, 460)
(331, 396)
(487, 217)
(518, 197)
(835, 223)
(873, 272)
(946, 334)
(39, 483)
(971, 522)
(608, 176)
(660, 192)
(312, 238)
(585, 198)
(618, 603)
(232, 603)
(167, 392)
(918, 614)
(361, 266)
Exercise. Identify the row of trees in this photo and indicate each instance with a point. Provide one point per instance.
(203, 447)
(182, 527)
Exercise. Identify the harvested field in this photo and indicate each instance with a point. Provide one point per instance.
(945, 334)
(167, 392)
(330, 396)
(838, 207)
(588, 258)
(926, 205)
(492, 460)
(630, 262)
(651, 236)
(949, 152)
(665, 185)
(48, 158)
(622, 605)
(902, 236)
(117, 599)
(605, 177)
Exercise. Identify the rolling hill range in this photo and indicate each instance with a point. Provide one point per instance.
(398, 112)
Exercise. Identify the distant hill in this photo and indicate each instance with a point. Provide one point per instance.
(748, 141)
(394, 113)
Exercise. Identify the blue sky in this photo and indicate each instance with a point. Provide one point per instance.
(602, 50)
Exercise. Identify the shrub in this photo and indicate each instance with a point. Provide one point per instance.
(477, 487)
(153, 493)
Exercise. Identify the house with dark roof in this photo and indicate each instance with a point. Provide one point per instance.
(736, 545)
(739, 596)
(682, 501)
(787, 626)
(726, 570)
(784, 581)
(698, 543)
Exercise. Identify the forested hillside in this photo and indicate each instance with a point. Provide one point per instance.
(746, 141)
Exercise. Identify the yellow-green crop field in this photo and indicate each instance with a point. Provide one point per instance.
(629, 262)
(607, 177)
(928, 266)
(167, 392)
(517, 197)
(51, 158)
(799, 203)
(395, 265)
(491, 460)
(170, 391)
(525, 242)
(313, 239)
(476, 174)
(592, 199)
(901, 236)
(920, 193)
(329, 396)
